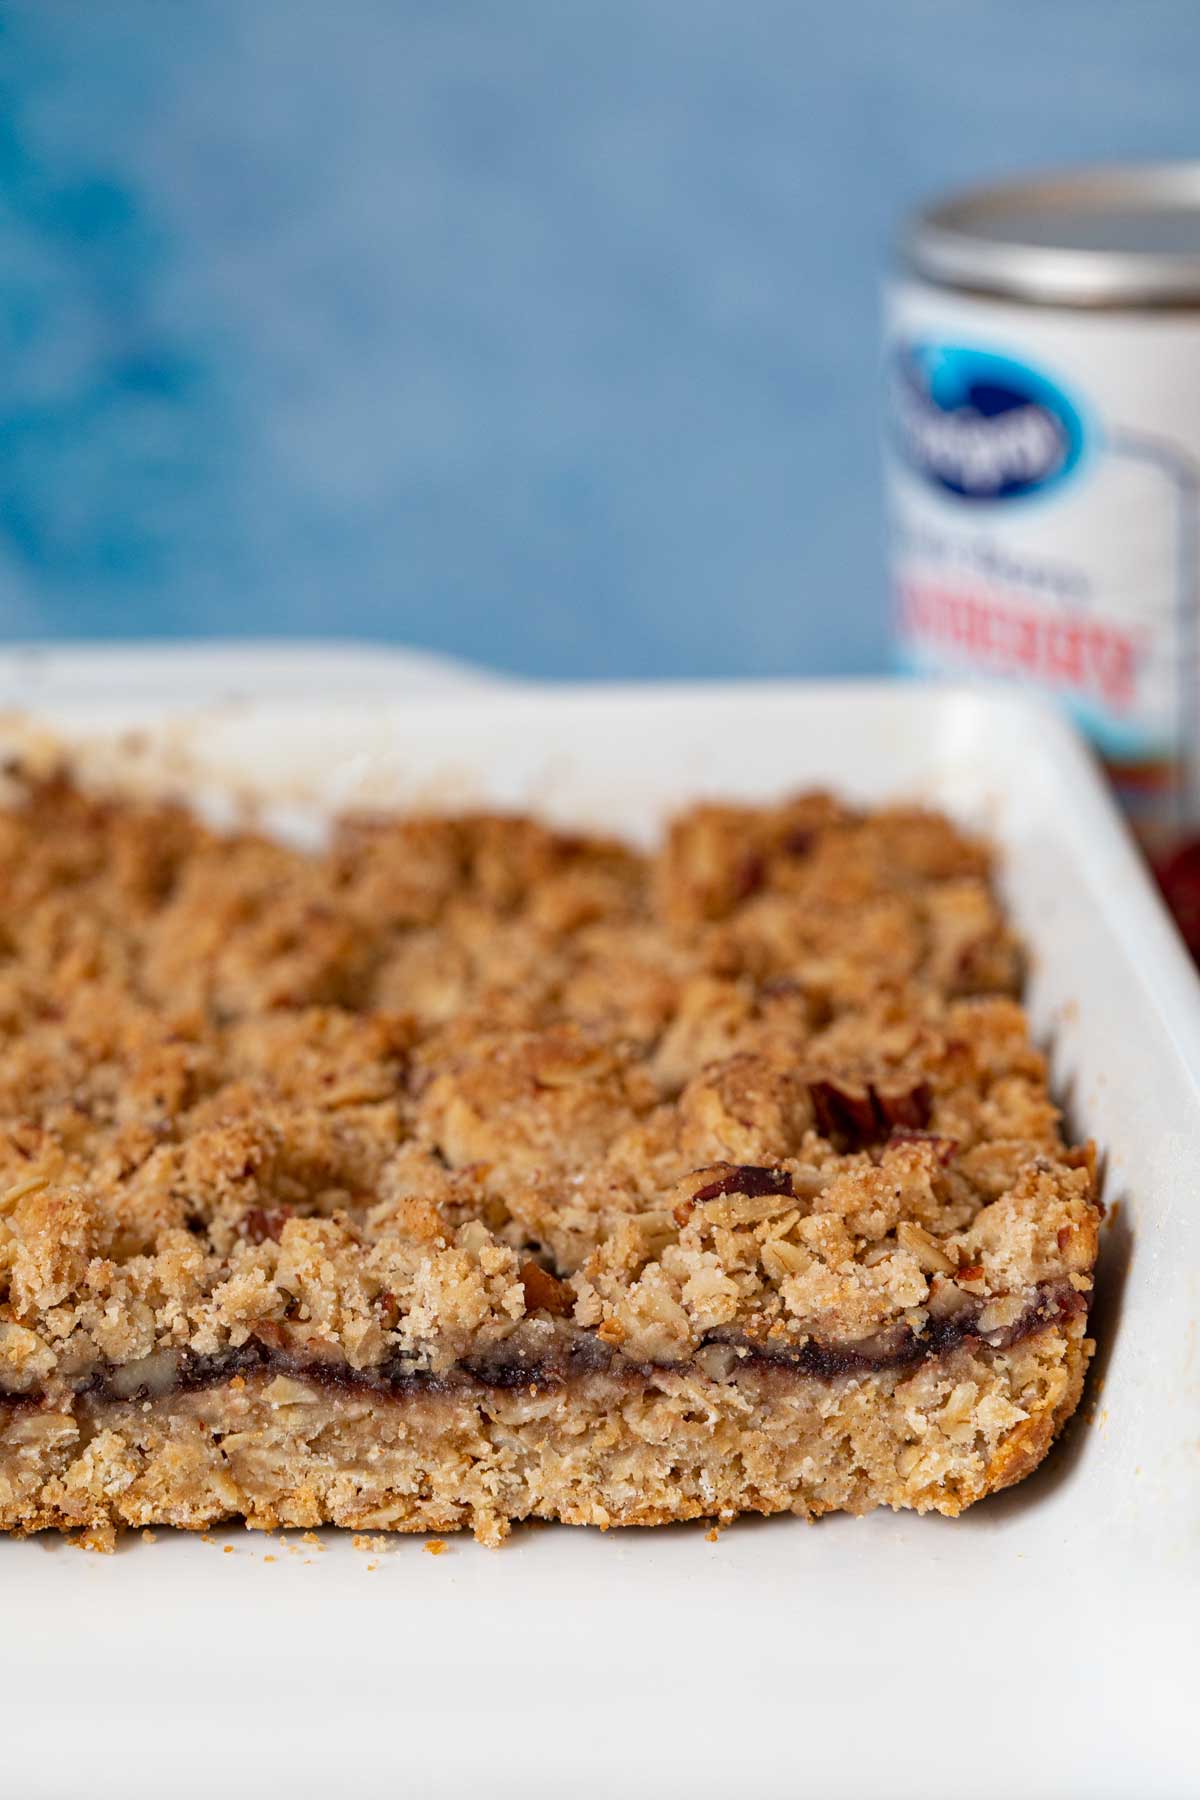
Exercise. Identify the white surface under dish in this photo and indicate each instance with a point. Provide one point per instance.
(1041, 1645)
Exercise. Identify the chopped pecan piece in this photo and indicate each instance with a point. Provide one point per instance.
(745, 1178)
(271, 1333)
(906, 1107)
(858, 1115)
(545, 1292)
(263, 1222)
(750, 1179)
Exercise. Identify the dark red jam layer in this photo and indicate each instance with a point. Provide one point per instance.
(574, 1354)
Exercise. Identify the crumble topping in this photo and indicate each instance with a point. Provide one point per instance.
(470, 1087)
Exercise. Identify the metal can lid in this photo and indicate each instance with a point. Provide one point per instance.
(1122, 235)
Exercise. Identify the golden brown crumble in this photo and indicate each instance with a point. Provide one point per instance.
(460, 1090)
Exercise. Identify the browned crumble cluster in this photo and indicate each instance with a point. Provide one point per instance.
(469, 1171)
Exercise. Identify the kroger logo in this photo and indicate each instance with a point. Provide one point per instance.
(980, 425)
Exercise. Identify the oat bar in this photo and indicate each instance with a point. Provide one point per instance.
(468, 1171)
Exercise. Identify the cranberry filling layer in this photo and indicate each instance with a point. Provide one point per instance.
(571, 1356)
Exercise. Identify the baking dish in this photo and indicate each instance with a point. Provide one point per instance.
(1043, 1641)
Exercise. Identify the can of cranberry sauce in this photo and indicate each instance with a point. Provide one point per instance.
(1042, 367)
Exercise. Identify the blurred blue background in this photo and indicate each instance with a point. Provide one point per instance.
(544, 333)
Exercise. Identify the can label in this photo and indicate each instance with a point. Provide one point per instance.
(1043, 475)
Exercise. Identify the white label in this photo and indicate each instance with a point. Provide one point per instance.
(1043, 472)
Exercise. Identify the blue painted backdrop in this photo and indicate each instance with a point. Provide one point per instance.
(540, 331)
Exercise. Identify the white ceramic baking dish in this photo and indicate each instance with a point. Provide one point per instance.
(1041, 1645)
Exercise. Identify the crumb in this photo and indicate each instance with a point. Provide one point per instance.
(270, 1559)
(361, 1543)
(435, 1547)
(228, 1548)
(712, 1535)
(149, 1537)
(101, 1537)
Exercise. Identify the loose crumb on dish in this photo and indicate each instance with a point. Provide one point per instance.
(101, 1537)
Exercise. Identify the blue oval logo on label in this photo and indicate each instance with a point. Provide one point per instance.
(982, 426)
